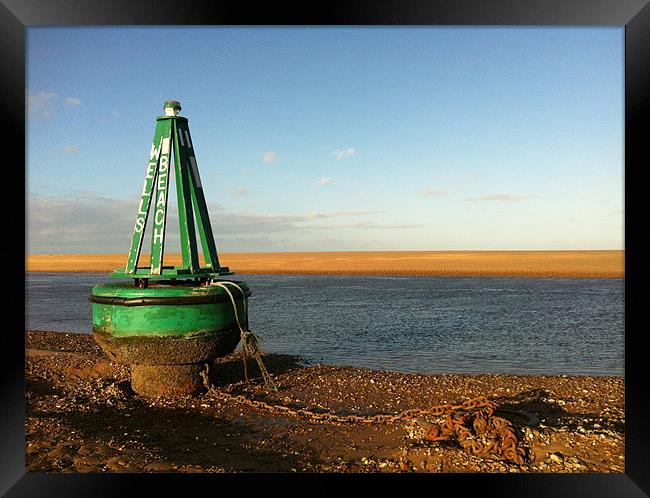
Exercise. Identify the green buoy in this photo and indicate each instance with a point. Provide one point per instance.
(170, 320)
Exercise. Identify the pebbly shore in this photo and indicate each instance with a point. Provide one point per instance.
(82, 416)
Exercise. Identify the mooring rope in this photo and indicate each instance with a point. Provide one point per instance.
(250, 345)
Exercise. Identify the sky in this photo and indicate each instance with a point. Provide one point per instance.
(333, 139)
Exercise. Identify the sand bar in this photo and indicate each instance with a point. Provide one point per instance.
(560, 264)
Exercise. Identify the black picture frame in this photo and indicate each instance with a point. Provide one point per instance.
(634, 15)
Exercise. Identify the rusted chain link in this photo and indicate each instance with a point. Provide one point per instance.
(491, 436)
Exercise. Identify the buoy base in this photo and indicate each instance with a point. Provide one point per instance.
(179, 350)
(167, 380)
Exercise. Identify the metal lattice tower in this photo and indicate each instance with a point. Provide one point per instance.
(172, 136)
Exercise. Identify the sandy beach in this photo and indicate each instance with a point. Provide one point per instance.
(82, 416)
(560, 264)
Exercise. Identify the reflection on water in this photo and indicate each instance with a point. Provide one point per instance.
(426, 325)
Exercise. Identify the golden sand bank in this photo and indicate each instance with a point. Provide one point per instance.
(569, 264)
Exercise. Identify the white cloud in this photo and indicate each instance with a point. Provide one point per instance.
(241, 192)
(41, 104)
(614, 212)
(499, 198)
(371, 225)
(334, 214)
(89, 223)
(80, 222)
(44, 104)
(343, 153)
(269, 156)
(70, 149)
(431, 192)
(324, 181)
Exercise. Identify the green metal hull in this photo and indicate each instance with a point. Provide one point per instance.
(166, 324)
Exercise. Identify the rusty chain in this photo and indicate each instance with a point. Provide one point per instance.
(491, 436)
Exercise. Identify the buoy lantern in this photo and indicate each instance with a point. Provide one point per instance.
(170, 320)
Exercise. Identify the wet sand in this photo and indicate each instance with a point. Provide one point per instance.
(535, 264)
(82, 416)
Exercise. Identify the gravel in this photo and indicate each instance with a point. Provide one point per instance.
(82, 416)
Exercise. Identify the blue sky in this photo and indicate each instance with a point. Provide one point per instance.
(323, 139)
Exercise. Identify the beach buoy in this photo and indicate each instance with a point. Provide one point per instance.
(170, 320)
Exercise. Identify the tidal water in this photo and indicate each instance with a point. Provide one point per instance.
(421, 325)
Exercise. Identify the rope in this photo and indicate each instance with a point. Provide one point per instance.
(250, 345)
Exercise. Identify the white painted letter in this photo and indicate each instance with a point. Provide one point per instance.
(162, 182)
(144, 189)
(140, 211)
(159, 220)
(151, 169)
(154, 152)
(157, 235)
